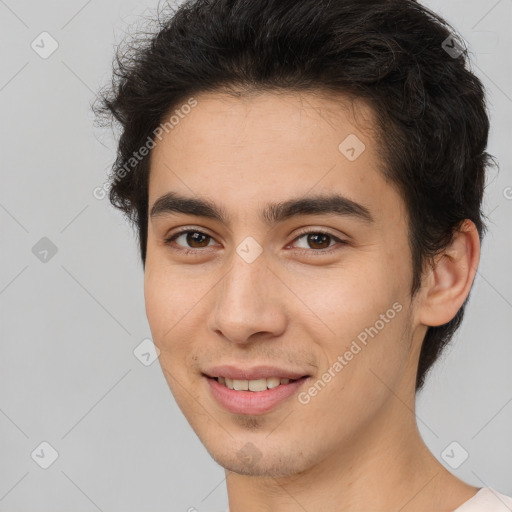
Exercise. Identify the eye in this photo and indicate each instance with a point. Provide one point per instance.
(196, 240)
(314, 239)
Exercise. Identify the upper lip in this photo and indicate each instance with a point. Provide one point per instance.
(253, 373)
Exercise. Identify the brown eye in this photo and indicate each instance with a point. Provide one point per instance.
(318, 241)
(192, 239)
(196, 237)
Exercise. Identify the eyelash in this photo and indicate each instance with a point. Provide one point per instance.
(319, 252)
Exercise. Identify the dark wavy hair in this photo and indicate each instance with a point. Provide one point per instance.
(403, 60)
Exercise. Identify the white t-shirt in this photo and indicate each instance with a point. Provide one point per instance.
(485, 500)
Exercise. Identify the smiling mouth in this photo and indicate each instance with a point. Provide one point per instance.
(255, 385)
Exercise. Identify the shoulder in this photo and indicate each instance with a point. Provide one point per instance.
(487, 500)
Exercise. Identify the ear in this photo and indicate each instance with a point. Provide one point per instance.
(449, 282)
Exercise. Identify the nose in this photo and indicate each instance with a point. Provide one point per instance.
(248, 303)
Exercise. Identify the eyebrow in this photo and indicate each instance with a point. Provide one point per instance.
(273, 213)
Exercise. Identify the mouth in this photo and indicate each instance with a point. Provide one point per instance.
(254, 385)
(253, 396)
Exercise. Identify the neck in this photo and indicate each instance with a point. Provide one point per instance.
(386, 466)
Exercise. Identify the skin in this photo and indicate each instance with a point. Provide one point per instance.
(355, 446)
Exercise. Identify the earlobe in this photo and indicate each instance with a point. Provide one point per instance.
(451, 277)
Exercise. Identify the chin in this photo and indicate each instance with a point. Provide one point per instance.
(262, 460)
(265, 468)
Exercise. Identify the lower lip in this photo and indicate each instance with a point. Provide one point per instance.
(252, 402)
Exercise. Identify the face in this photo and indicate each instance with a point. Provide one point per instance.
(321, 294)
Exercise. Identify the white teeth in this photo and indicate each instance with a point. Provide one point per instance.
(273, 382)
(257, 385)
(252, 385)
(241, 385)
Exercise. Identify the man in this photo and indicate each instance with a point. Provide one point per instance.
(306, 179)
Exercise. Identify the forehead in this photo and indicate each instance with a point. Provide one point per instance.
(241, 151)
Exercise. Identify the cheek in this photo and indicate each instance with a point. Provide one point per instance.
(357, 377)
(176, 299)
(170, 314)
(166, 304)
(343, 301)
(159, 303)
(359, 319)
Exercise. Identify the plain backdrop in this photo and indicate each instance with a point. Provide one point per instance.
(71, 288)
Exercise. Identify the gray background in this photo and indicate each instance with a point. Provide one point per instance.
(68, 374)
